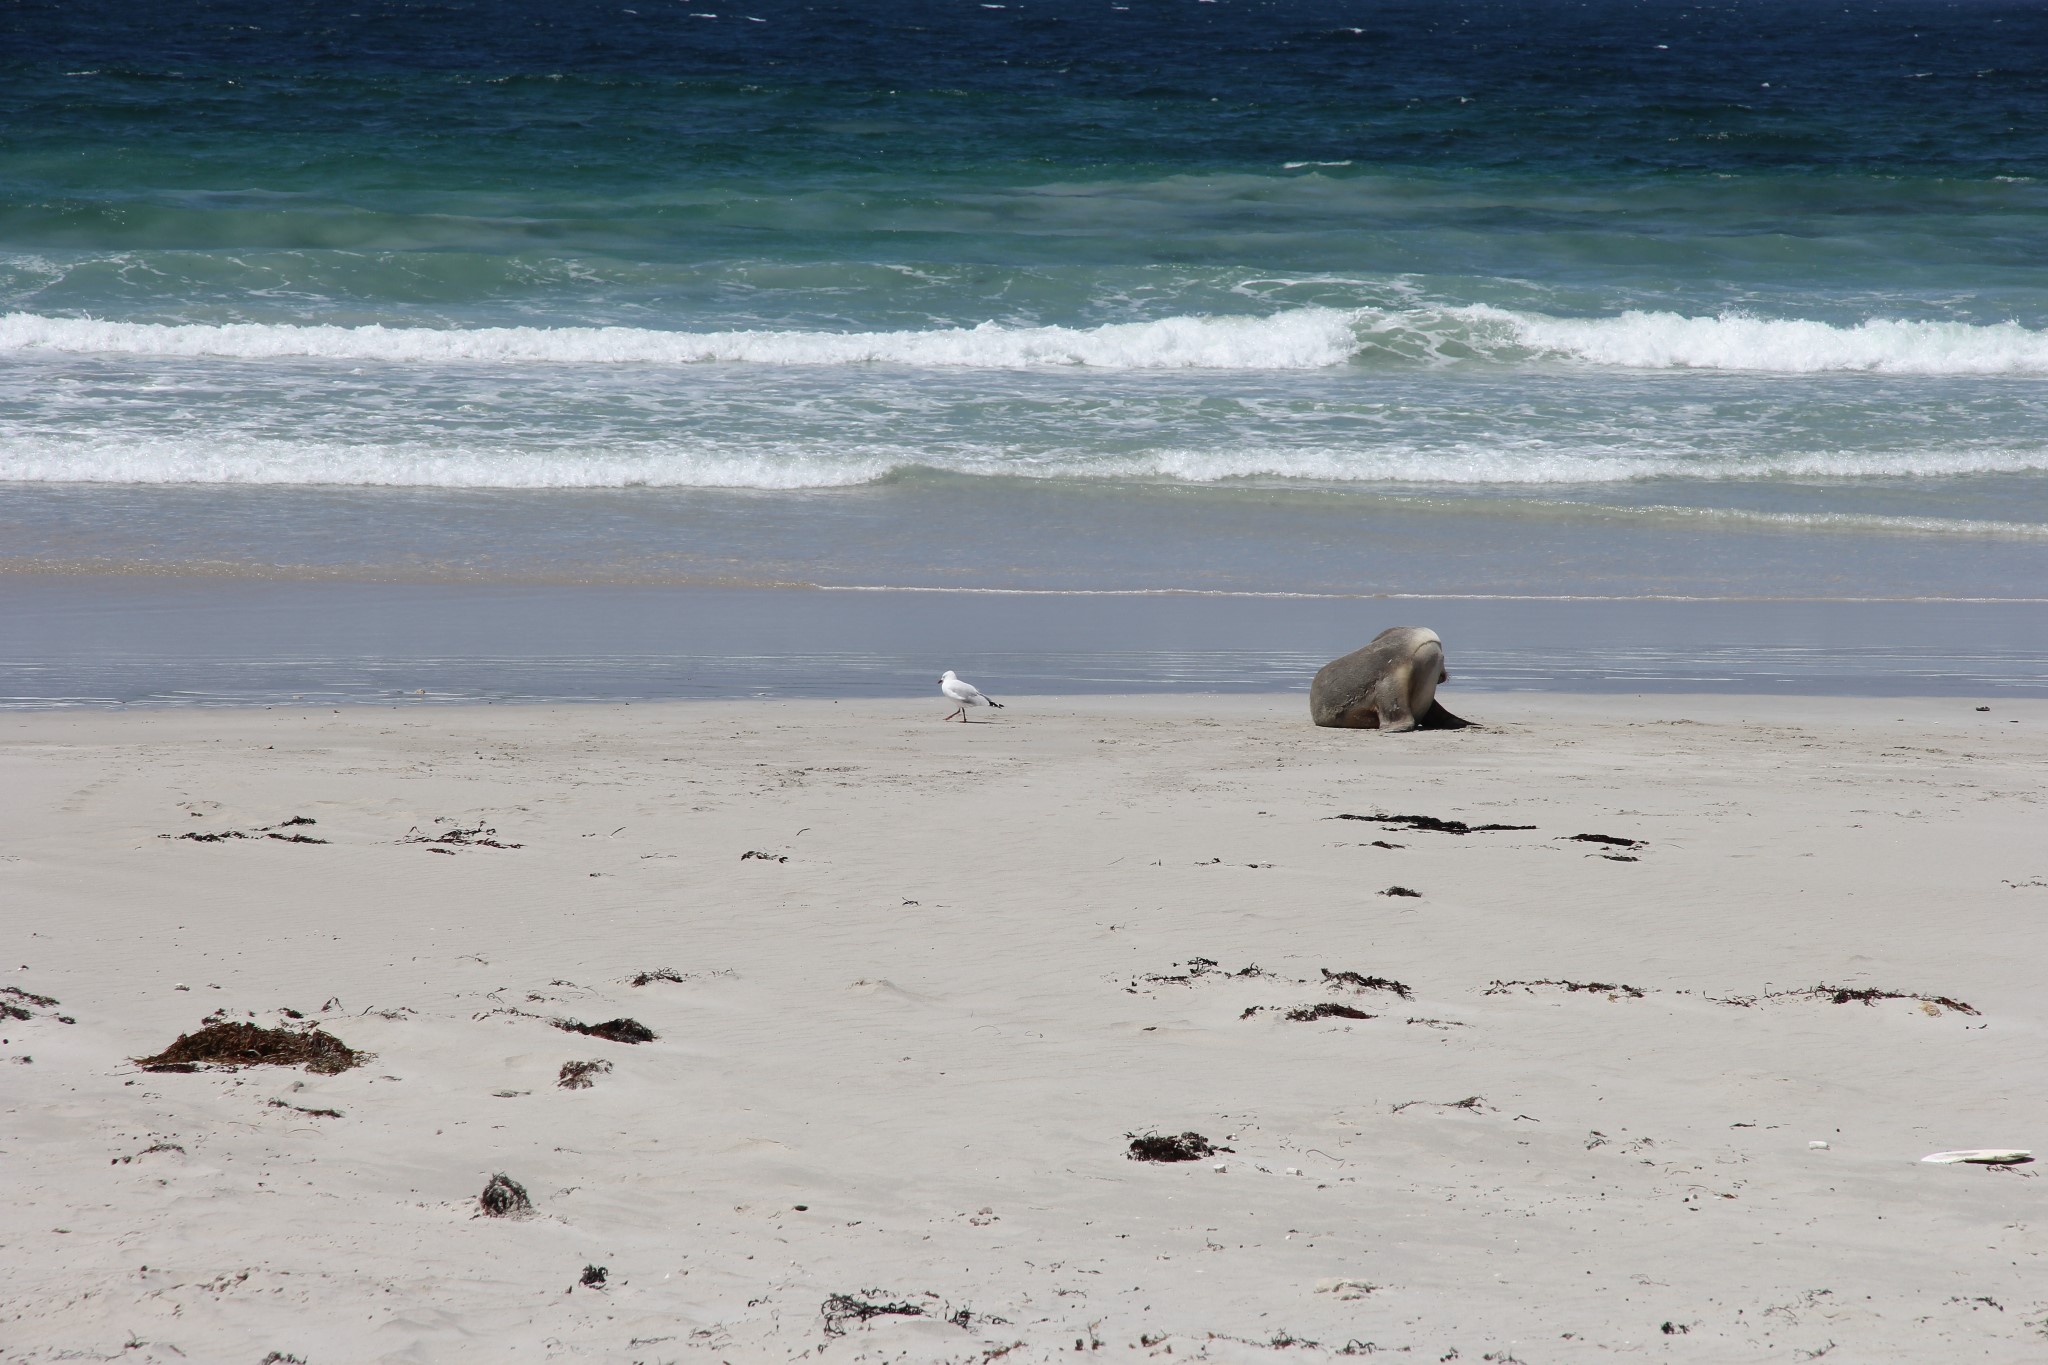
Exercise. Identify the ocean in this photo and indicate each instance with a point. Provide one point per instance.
(1020, 320)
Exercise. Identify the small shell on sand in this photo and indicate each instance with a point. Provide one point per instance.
(1982, 1156)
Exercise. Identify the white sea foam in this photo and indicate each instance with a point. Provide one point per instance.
(160, 461)
(1308, 338)
(283, 463)
(1640, 340)
(1297, 339)
(1656, 341)
(1474, 464)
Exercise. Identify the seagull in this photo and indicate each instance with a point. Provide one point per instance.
(966, 693)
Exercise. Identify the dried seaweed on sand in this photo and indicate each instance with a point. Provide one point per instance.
(1430, 823)
(1611, 989)
(1367, 983)
(1869, 995)
(1328, 1009)
(611, 1030)
(576, 1075)
(504, 1197)
(841, 1309)
(16, 1003)
(477, 837)
(1614, 840)
(1171, 1147)
(245, 1044)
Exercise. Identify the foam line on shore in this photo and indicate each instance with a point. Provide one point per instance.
(800, 465)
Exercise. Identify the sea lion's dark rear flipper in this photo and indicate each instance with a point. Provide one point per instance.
(1440, 719)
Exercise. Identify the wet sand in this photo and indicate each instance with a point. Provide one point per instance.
(74, 640)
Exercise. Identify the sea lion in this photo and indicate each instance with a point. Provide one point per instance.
(1388, 685)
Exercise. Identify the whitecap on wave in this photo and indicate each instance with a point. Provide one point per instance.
(1296, 339)
(1662, 340)
(1308, 338)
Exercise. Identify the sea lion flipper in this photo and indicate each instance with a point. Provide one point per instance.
(1439, 718)
(1391, 698)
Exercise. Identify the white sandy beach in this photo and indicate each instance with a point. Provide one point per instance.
(901, 1065)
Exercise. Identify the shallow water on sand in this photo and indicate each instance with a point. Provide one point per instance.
(237, 642)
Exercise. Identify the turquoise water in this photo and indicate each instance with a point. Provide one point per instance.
(1339, 244)
(1311, 296)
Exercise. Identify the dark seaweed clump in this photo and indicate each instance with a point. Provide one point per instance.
(1367, 983)
(1848, 995)
(658, 974)
(1196, 967)
(10, 1009)
(1171, 1147)
(265, 832)
(841, 1309)
(1199, 967)
(504, 1197)
(1401, 891)
(611, 1030)
(245, 1044)
(1615, 839)
(576, 1075)
(1430, 822)
(1600, 987)
(478, 837)
(1327, 1010)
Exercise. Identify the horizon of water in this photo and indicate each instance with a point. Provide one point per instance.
(1476, 299)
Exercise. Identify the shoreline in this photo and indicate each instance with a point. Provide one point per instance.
(1282, 709)
(111, 642)
(924, 979)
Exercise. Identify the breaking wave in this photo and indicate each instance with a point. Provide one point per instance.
(1299, 339)
(1312, 338)
(1671, 341)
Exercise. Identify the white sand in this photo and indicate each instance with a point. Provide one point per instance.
(924, 1026)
